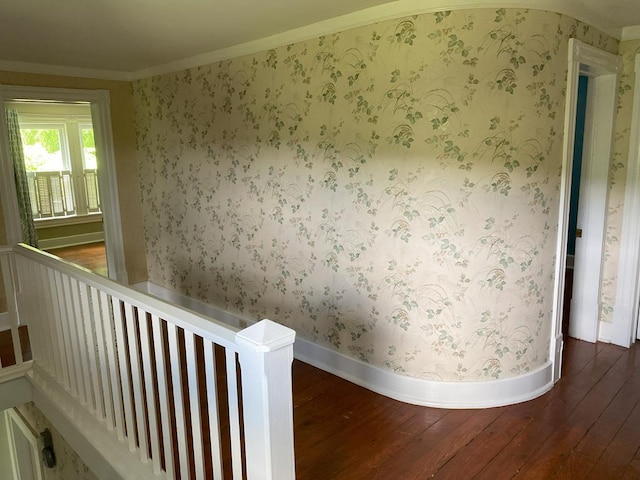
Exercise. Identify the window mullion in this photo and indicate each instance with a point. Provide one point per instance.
(77, 167)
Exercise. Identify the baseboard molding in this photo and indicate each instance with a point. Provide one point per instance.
(557, 348)
(412, 390)
(622, 326)
(70, 241)
(605, 331)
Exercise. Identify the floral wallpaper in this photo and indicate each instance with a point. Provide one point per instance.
(69, 466)
(390, 192)
(617, 181)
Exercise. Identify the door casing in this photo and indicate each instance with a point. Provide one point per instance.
(107, 180)
(602, 68)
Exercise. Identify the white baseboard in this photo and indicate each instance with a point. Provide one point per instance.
(70, 241)
(557, 348)
(623, 326)
(605, 331)
(417, 391)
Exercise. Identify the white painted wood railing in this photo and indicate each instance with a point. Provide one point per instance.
(185, 396)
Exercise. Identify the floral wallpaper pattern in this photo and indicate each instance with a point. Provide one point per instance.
(390, 192)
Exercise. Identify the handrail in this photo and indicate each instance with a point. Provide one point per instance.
(202, 325)
(183, 395)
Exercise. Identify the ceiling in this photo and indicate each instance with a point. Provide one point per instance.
(135, 38)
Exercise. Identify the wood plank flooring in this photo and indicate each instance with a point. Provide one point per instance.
(7, 354)
(91, 256)
(586, 427)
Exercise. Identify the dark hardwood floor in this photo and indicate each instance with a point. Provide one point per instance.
(7, 353)
(91, 256)
(586, 427)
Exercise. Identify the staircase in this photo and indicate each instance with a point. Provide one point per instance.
(142, 388)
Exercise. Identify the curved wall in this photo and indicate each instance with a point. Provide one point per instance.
(390, 192)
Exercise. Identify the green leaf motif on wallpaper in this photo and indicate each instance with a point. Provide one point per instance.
(402, 135)
(328, 123)
(505, 80)
(400, 229)
(501, 183)
(272, 59)
(405, 32)
(400, 317)
(328, 93)
(440, 16)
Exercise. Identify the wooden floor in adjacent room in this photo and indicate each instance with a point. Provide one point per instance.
(586, 427)
(91, 256)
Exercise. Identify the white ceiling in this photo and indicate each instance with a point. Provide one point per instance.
(131, 38)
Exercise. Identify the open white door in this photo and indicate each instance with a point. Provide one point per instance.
(602, 69)
(592, 209)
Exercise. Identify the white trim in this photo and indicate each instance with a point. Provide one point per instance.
(52, 222)
(108, 184)
(109, 200)
(16, 425)
(430, 393)
(43, 69)
(592, 211)
(387, 11)
(625, 310)
(605, 331)
(582, 59)
(417, 391)
(557, 344)
(71, 240)
(631, 33)
(380, 13)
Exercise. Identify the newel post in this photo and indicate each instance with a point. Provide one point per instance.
(266, 353)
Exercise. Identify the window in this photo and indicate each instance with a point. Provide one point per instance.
(60, 158)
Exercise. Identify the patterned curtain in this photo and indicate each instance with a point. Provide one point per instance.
(29, 235)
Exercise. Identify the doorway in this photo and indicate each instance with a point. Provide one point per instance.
(98, 102)
(60, 168)
(574, 232)
(601, 68)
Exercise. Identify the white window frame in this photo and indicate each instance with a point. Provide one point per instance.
(70, 128)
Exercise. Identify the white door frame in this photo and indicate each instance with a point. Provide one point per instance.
(602, 69)
(24, 447)
(107, 181)
(625, 310)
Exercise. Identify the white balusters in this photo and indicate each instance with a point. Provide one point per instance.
(147, 372)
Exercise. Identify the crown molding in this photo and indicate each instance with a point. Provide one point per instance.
(631, 33)
(388, 11)
(372, 15)
(61, 70)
